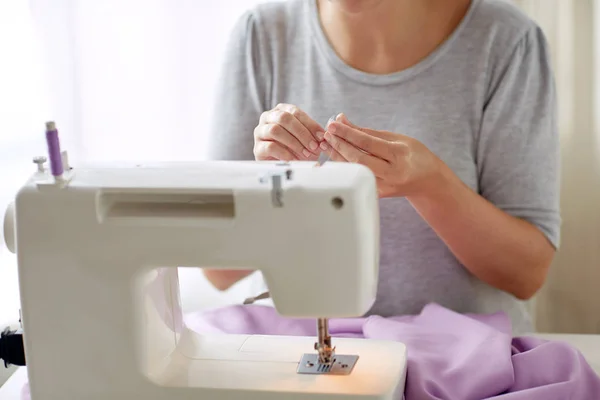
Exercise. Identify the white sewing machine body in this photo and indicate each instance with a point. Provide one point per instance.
(97, 258)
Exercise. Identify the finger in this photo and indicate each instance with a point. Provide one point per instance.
(313, 157)
(296, 129)
(277, 133)
(295, 120)
(292, 126)
(373, 145)
(269, 150)
(333, 154)
(355, 155)
(313, 127)
(380, 134)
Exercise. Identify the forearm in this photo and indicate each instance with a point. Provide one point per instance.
(501, 250)
(223, 279)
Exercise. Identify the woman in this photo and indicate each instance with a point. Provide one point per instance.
(451, 104)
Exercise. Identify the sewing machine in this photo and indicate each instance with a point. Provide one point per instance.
(98, 251)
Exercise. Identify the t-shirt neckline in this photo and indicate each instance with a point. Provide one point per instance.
(382, 79)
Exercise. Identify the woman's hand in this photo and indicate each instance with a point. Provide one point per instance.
(287, 133)
(402, 165)
(514, 256)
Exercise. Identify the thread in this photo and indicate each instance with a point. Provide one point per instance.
(54, 153)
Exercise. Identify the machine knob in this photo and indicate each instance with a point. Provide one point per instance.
(9, 227)
(40, 162)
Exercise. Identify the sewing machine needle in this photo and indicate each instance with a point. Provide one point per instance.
(324, 157)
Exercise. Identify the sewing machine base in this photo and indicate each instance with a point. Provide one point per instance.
(257, 367)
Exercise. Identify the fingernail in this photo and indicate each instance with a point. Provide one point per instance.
(313, 145)
(331, 129)
(306, 153)
(324, 147)
(320, 135)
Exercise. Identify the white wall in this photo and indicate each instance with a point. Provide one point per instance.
(570, 300)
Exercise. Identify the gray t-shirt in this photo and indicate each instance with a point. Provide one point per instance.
(483, 101)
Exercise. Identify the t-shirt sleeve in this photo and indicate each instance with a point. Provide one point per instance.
(518, 151)
(241, 93)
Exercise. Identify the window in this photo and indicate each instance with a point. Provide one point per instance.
(124, 81)
(22, 107)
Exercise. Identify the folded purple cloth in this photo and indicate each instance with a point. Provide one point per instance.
(451, 356)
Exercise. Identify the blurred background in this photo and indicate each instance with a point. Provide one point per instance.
(133, 80)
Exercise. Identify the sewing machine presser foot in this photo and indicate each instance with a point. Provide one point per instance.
(325, 361)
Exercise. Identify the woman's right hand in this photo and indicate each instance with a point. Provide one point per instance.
(284, 133)
(287, 133)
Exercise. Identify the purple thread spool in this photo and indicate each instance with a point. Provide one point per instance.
(56, 165)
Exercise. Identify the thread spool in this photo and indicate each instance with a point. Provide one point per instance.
(54, 153)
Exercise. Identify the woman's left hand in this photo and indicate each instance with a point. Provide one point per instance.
(402, 165)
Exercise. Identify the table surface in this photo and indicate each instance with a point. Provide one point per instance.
(588, 345)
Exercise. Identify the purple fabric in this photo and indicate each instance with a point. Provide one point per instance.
(450, 355)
